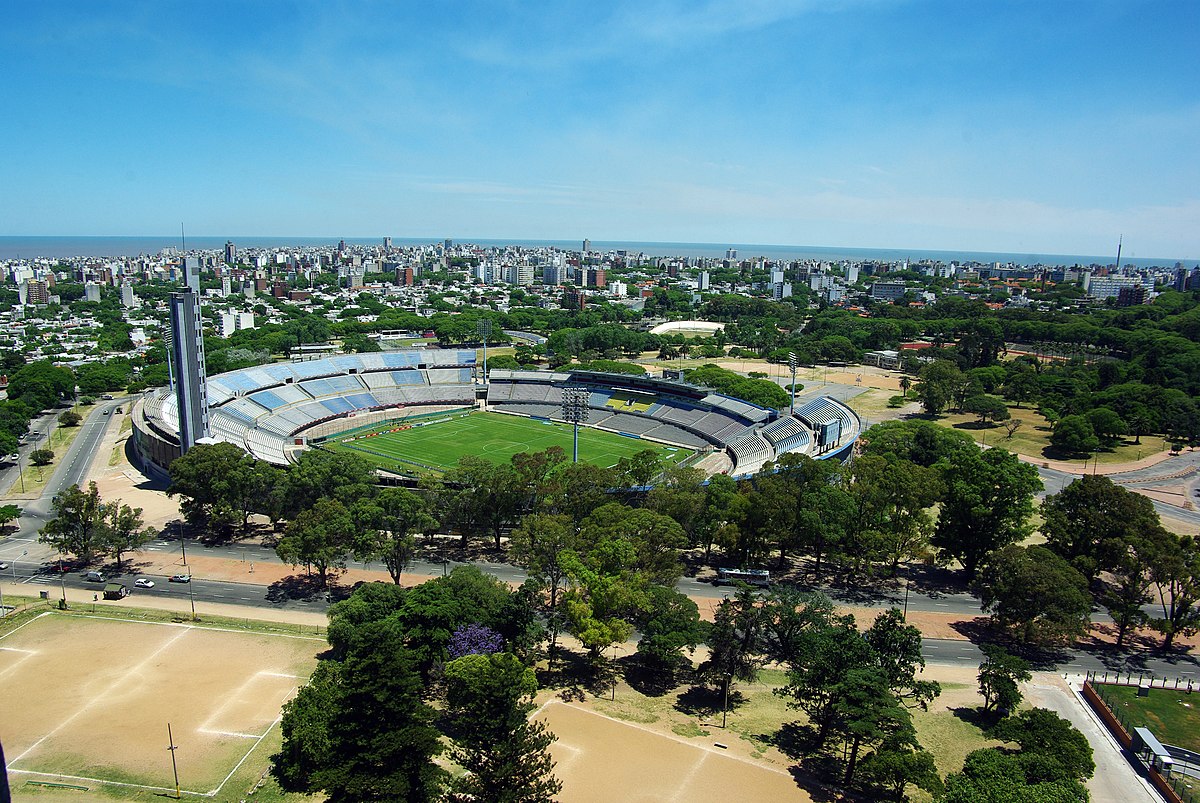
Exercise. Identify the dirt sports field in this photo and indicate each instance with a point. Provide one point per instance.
(600, 760)
(86, 701)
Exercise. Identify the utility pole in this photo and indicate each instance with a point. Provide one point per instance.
(174, 767)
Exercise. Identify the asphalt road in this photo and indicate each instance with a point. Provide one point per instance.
(33, 563)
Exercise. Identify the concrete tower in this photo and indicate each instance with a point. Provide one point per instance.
(187, 358)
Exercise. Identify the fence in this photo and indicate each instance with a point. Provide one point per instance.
(1181, 781)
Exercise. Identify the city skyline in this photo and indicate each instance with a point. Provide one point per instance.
(1016, 128)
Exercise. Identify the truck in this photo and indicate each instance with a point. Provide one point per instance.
(116, 591)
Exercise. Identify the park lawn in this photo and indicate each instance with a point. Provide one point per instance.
(438, 446)
(1033, 438)
(1172, 716)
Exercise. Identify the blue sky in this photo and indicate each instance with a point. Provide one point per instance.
(1045, 127)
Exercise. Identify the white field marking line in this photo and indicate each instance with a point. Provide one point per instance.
(181, 624)
(238, 766)
(682, 786)
(232, 697)
(18, 627)
(229, 733)
(102, 781)
(704, 747)
(28, 654)
(282, 675)
(132, 670)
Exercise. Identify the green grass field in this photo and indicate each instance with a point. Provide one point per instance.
(1173, 716)
(438, 445)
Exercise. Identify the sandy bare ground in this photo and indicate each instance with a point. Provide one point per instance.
(96, 696)
(600, 759)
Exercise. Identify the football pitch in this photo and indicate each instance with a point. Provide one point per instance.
(438, 444)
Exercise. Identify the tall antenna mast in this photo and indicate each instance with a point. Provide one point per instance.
(1120, 241)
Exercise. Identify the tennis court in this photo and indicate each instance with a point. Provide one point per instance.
(438, 444)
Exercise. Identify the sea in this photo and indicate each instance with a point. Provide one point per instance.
(20, 247)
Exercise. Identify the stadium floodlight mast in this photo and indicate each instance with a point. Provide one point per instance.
(575, 411)
(792, 389)
(484, 327)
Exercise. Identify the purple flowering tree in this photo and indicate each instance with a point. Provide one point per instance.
(475, 639)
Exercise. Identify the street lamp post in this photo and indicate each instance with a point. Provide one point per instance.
(575, 411)
(792, 389)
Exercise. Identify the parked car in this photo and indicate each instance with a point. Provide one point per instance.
(3, 565)
(94, 577)
(181, 578)
(144, 582)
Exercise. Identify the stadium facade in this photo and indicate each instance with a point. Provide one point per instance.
(273, 411)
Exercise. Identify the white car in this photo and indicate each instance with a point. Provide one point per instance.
(3, 565)
(144, 582)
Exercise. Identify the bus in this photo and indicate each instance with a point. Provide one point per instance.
(752, 577)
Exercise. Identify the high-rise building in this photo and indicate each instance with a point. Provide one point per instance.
(587, 246)
(596, 278)
(191, 274)
(37, 292)
(128, 300)
(731, 253)
(91, 292)
(702, 281)
(387, 243)
(230, 253)
(554, 275)
(187, 357)
(573, 298)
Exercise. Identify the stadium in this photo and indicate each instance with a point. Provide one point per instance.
(369, 401)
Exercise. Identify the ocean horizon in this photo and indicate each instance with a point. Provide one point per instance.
(49, 247)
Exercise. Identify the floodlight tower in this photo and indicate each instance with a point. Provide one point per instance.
(792, 389)
(575, 411)
(484, 327)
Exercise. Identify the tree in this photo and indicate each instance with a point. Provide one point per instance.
(1011, 426)
(1036, 592)
(482, 496)
(77, 526)
(359, 730)
(986, 407)
(320, 536)
(318, 473)
(656, 539)
(9, 513)
(1091, 522)
(669, 624)
(894, 766)
(124, 530)
(825, 657)
(1021, 387)
(69, 418)
(1107, 425)
(1175, 573)
(867, 713)
(1073, 434)
(937, 385)
(990, 775)
(489, 698)
(1062, 751)
(896, 649)
(987, 504)
(601, 597)
(999, 676)
(1127, 591)
(402, 514)
(474, 639)
(538, 544)
(208, 478)
(41, 457)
